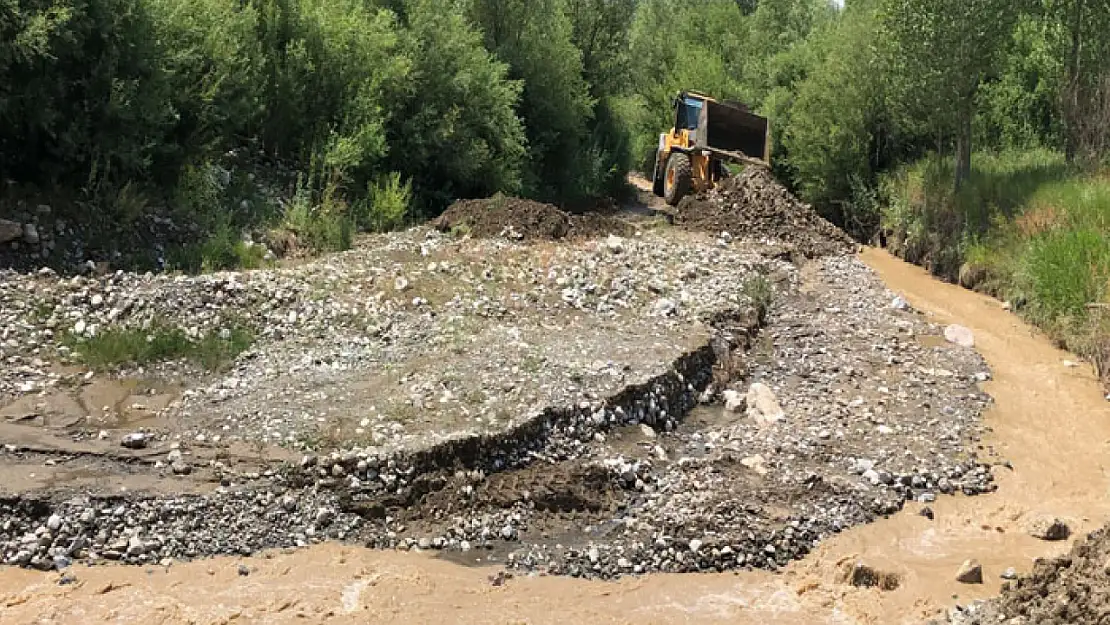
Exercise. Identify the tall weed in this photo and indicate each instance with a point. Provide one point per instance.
(386, 204)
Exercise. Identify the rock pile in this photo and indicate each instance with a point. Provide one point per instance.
(753, 205)
(142, 530)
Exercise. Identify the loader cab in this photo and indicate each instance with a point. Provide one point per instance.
(687, 112)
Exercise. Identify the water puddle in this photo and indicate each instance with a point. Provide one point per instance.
(103, 403)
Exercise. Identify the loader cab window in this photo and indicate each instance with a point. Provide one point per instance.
(688, 111)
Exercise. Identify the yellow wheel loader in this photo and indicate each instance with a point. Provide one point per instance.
(706, 135)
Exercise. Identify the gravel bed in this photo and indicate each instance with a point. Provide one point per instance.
(597, 407)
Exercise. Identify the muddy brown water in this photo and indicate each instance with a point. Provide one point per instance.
(1050, 420)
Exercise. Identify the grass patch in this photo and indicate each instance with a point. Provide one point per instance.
(927, 222)
(117, 347)
(1039, 240)
(323, 224)
(758, 290)
(221, 251)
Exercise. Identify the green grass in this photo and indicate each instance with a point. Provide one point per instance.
(1028, 230)
(927, 222)
(117, 347)
(758, 290)
(327, 226)
(221, 251)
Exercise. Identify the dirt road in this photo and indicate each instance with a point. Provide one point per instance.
(1050, 420)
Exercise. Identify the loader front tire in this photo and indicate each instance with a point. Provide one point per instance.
(679, 178)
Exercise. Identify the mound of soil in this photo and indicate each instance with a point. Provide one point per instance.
(524, 220)
(754, 205)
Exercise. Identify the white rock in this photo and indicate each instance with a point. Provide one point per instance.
(695, 545)
(762, 404)
(871, 475)
(664, 308)
(54, 523)
(135, 440)
(756, 463)
(734, 401)
(899, 304)
(79, 327)
(959, 335)
(135, 546)
(615, 244)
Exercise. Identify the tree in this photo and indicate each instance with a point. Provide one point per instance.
(455, 132)
(1020, 107)
(1084, 98)
(941, 52)
(534, 38)
(839, 129)
(680, 45)
(599, 29)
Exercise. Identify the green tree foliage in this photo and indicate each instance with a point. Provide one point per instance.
(455, 133)
(680, 45)
(1086, 89)
(80, 91)
(1018, 105)
(840, 131)
(941, 52)
(136, 105)
(534, 37)
(599, 29)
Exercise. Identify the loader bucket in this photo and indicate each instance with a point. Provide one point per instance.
(732, 129)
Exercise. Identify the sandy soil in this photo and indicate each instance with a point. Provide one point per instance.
(1050, 420)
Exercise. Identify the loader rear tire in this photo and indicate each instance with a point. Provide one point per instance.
(679, 178)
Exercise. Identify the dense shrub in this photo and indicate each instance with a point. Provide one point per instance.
(126, 101)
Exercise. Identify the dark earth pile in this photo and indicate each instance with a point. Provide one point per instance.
(525, 220)
(753, 205)
(1070, 590)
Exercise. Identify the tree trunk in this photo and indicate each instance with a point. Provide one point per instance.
(1071, 90)
(963, 144)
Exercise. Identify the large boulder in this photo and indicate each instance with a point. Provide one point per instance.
(959, 335)
(762, 404)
